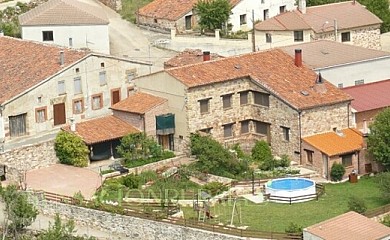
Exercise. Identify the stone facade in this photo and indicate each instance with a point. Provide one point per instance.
(113, 4)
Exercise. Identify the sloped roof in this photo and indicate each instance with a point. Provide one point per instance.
(273, 69)
(370, 96)
(138, 103)
(23, 64)
(64, 12)
(351, 226)
(332, 143)
(188, 56)
(321, 18)
(102, 129)
(325, 53)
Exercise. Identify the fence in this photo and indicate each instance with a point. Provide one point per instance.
(320, 190)
(260, 182)
(377, 211)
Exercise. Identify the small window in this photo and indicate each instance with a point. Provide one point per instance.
(346, 36)
(77, 85)
(286, 133)
(102, 78)
(268, 38)
(298, 36)
(227, 101)
(41, 115)
(39, 99)
(282, 9)
(47, 36)
(309, 156)
(77, 70)
(340, 85)
(261, 99)
(228, 130)
(262, 127)
(245, 126)
(78, 106)
(262, 1)
(359, 82)
(242, 19)
(130, 77)
(265, 14)
(346, 160)
(97, 101)
(61, 87)
(244, 98)
(206, 130)
(70, 42)
(204, 105)
(102, 64)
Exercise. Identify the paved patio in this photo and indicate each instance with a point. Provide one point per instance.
(65, 180)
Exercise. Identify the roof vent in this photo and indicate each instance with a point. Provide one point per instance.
(319, 78)
(237, 66)
(304, 93)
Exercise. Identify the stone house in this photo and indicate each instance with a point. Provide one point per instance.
(264, 95)
(44, 86)
(359, 27)
(343, 65)
(179, 14)
(68, 23)
(190, 56)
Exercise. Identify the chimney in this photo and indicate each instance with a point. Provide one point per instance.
(298, 57)
(302, 6)
(319, 79)
(62, 58)
(206, 56)
(365, 128)
(72, 125)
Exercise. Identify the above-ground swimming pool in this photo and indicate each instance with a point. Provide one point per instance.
(291, 189)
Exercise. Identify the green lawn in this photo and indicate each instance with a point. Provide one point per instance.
(130, 7)
(277, 216)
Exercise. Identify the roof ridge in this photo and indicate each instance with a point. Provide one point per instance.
(367, 84)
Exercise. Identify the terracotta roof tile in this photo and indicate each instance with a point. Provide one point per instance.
(64, 12)
(188, 56)
(347, 14)
(102, 129)
(273, 69)
(24, 64)
(369, 96)
(324, 53)
(332, 143)
(138, 103)
(351, 226)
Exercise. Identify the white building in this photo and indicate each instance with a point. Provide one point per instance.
(67, 23)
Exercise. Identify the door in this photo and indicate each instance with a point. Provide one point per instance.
(115, 96)
(188, 22)
(325, 166)
(59, 114)
(17, 125)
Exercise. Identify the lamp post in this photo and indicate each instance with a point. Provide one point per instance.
(253, 182)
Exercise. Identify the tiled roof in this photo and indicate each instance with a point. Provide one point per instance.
(188, 56)
(171, 9)
(273, 69)
(332, 143)
(324, 53)
(138, 103)
(351, 226)
(64, 12)
(24, 64)
(370, 96)
(102, 129)
(321, 18)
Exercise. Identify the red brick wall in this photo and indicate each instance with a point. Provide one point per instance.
(367, 115)
(150, 118)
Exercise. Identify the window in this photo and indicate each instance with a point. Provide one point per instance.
(242, 19)
(298, 36)
(286, 133)
(346, 37)
(282, 9)
(268, 38)
(340, 85)
(41, 114)
(261, 99)
(262, 1)
(261, 127)
(206, 130)
(309, 156)
(17, 125)
(70, 42)
(227, 101)
(97, 101)
(265, 14)
(244, 97)
(78, 106)
(245, 126)
(131, 74)
(359, 82)
(77, 70)
(102, 64)
(228, 130)
(102, 78)
(204, 105)
(61, 87)
(346, 160)
(77, 85)
(47, 36)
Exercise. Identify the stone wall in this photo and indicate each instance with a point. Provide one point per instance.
(133, 227)
(113, 4)
(20, 160)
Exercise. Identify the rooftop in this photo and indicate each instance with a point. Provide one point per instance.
(138, 103)
(188, 56)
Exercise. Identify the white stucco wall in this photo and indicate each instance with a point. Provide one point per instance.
(93, 37)
(279, 39)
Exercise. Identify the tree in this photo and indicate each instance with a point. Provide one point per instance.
(261, 153)
(213, 14)
(378, 142)
(70, 149)
(138, 146)
(18, 210)
(383, 180)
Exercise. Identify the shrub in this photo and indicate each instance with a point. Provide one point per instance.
(357, 204)
(386, 220)
(215, 188)
(78, 198)
(70, 149)
(284, 161)
(383, 181)
(337, 172)
(261, 153)
(131, 181)
(293, 228)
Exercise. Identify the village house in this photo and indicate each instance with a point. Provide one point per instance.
(190, 56)
(43, 87)
(359, 27)
(179, 14)
(68, 23)
(264, 95)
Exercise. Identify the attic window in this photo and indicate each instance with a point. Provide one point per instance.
(304, 93)
(102, 64)
(77, 70)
